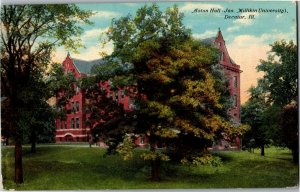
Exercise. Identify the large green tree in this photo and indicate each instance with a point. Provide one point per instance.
(29, 33)
(177, 102)
(280, 73)
(280, 85)
(277, 91)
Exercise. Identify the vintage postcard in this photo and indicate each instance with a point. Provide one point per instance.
(149, 95)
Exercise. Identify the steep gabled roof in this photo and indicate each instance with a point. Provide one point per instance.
(219, 43)
(85, 67)
(208, 41)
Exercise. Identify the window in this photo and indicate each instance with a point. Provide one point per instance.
(77, 122)
(58, 124)
(234, 82)
(235, 100)
(66, 125)
(72, 123)
(61, 124)
(222, 56)
(77, 106)
(116, 96)
(142, 139)
(122, 94)
(102, 89)
(131, 106)
(73, 107)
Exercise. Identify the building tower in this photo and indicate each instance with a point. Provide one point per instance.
(232, 72)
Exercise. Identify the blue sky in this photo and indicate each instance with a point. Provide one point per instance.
(247, 40)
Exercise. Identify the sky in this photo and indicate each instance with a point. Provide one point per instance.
(247, 40)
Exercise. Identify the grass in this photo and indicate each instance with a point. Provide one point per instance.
(56, 167)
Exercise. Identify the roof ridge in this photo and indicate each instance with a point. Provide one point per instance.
(84, 66)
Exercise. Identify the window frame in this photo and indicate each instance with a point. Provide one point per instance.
(234, 81)
(77, 122)
(72, 123)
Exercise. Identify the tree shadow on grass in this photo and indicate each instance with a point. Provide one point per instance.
(224, 157)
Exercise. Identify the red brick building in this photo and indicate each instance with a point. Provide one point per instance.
(73, 128)
(232, 72)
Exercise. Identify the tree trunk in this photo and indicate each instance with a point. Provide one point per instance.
(33, 142)
(154, 170)
(6, 141)
(262, 150)
(295, 156)
(154, 162)
(18, 163)
(18, 142)
(33, 147)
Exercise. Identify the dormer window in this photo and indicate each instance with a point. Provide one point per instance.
(222, 56)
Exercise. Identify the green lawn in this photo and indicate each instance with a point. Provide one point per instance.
(69, 168)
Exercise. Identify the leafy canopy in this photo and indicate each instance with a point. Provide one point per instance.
(178, 98)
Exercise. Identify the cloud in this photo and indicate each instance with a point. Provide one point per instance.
(206, 34)
(247, 50)
(92, 34)
(89, 53)
(189, 7)
(105, 14)
(59, 55)
(233, 28)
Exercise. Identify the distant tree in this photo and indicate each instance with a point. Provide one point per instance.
(29, 34)
(278, 94)
(37, 124)
(280, 73)
(252, 113)
(280, 80)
